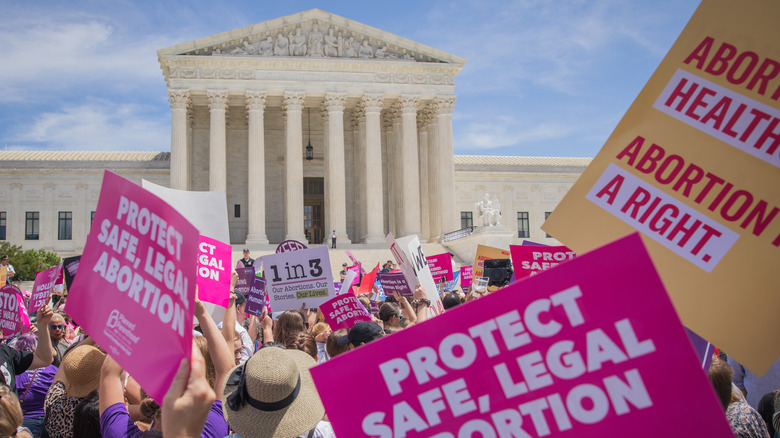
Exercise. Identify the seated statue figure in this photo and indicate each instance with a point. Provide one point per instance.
(488, 214)
(315, 41)
(266, 47)
(297, 43)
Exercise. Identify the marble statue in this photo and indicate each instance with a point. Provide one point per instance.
(365, 50)
(331, 47)
(297, 43)
(315, 41)
(488, 211)
(341, 45)
(281, 48)
(350, 51)
(266, 47)
(245, 49)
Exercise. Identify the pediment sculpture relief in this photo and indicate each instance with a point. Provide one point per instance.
(310, 40)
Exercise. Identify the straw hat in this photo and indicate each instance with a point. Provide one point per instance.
(82, 370)
(272, 395)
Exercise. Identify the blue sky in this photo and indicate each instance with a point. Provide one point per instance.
(543, 77)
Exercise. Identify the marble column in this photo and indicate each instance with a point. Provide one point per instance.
(409, 167)
(326, 229)
(374, 211)
(255, 107)
(218, 103)
(450, 220)
(180, 101)
(422, 144)
(293, 106)
(434, 180)
(359, 147)
(335, 185)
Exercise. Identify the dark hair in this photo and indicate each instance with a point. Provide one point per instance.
(148, 407)
(303, 341)
(766, 408)
(450, 300)
(720, 376)
(387, 311)
(332, 347)
(86, 416)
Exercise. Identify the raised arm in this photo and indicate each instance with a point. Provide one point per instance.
(111, 390)
(229, 320)
(221, 354)
(44, 355)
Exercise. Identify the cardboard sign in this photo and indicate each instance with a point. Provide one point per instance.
(440, 266)
(565, 353)
(531, 260)
(394, 282)
(10, 323)
(344, 311)
(214, 269)
(3, 274)
(70, 265)
(485, 252)
(290, 245)
(44, 283)
(414, 253)
(694, 166)
(245, 278)
(255, 298)
(134, 293)
(299, 277)
(466, 274)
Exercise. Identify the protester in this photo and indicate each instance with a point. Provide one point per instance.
(14, 362)
(32, 386)
(343, 272)
(450, 300)
(86, 417)
(390, 315)
(303, 341)
(234, 318)
(289, 323)
(189, 399)
(332, 346)
(78, 375)
(743, 419)
(321, 331)
(273, 395)
(360, 334)
(57, 336)
(752, 385)
(766, 408)
(11, 415)
(9, 273)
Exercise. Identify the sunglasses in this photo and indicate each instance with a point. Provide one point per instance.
(57, 327)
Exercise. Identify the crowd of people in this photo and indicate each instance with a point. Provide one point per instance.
(248, 376)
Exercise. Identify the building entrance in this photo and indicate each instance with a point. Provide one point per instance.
(313, 209)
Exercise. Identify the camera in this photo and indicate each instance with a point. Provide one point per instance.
(498, 271)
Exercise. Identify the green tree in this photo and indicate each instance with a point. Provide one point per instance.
(27, 263)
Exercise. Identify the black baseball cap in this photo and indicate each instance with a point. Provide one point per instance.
(365, 332)
(240, 298)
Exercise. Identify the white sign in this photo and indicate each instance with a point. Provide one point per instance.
(298, 277)
(410, 245)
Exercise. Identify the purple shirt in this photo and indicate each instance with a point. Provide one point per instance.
(32, 399)
(116, 422)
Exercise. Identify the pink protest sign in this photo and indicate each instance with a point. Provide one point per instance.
(344, 311)
(135, 290)
(44, 283)
(440, 266)
(214, 269)
(24, 319)
(466, 274)
(531, 260)
(567, 353)
(355, 261)
(255, 298)
(394, 282)
(10, 296)
(245, 276)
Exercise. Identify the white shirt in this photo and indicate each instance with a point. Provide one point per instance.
(248, 348)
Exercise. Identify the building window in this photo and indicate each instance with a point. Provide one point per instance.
(2, 225)
(466, 219)
(523, 226)
(237, 210)
(31, 219)
(546, 215)
(65, 225)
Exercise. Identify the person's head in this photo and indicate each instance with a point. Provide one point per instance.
(86, 417)
(26, 342)
(246, 253)
(303, 341)
(240, 307)
(211, 371)
(450, 300)
(366, 302)
(57, 327)
(278, 376)
(766, 409)
(318, 328)
(238, 345)
(720, 375)
(332, 346)
(344, 266)
(390, 314)
(4, 260)
(289, 323)
(10, 412)
(81, 366)
(360, 334)
(149, 408)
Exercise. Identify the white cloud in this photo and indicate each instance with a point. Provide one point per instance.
(507, 132)
(96, 125)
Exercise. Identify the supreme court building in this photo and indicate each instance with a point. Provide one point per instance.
(310, 123)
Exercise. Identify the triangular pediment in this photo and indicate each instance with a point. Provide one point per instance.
(314, 34)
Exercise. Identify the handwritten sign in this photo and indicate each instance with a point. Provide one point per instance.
(10, 296)
(255, 298)
(440, 266)
(394, 282)
(530, 260)
(564, 353)
(344, 311)
(412, 248)
(298, 277)
(135, 288)
(44, 283)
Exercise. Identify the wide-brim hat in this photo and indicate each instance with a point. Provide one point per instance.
(82, 370)
(272, 395)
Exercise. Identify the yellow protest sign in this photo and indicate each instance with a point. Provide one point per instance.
(485, 252)
(694, 165)
(3, 275)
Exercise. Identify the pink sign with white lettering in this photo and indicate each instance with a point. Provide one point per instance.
(530, 260)
(566, 354)
(134, 293)
(44, 283)
(10, 296)
(344, 311)
(214, 269)
(440, 266)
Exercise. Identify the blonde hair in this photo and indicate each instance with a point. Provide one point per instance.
(10, 412)
(319, 328)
